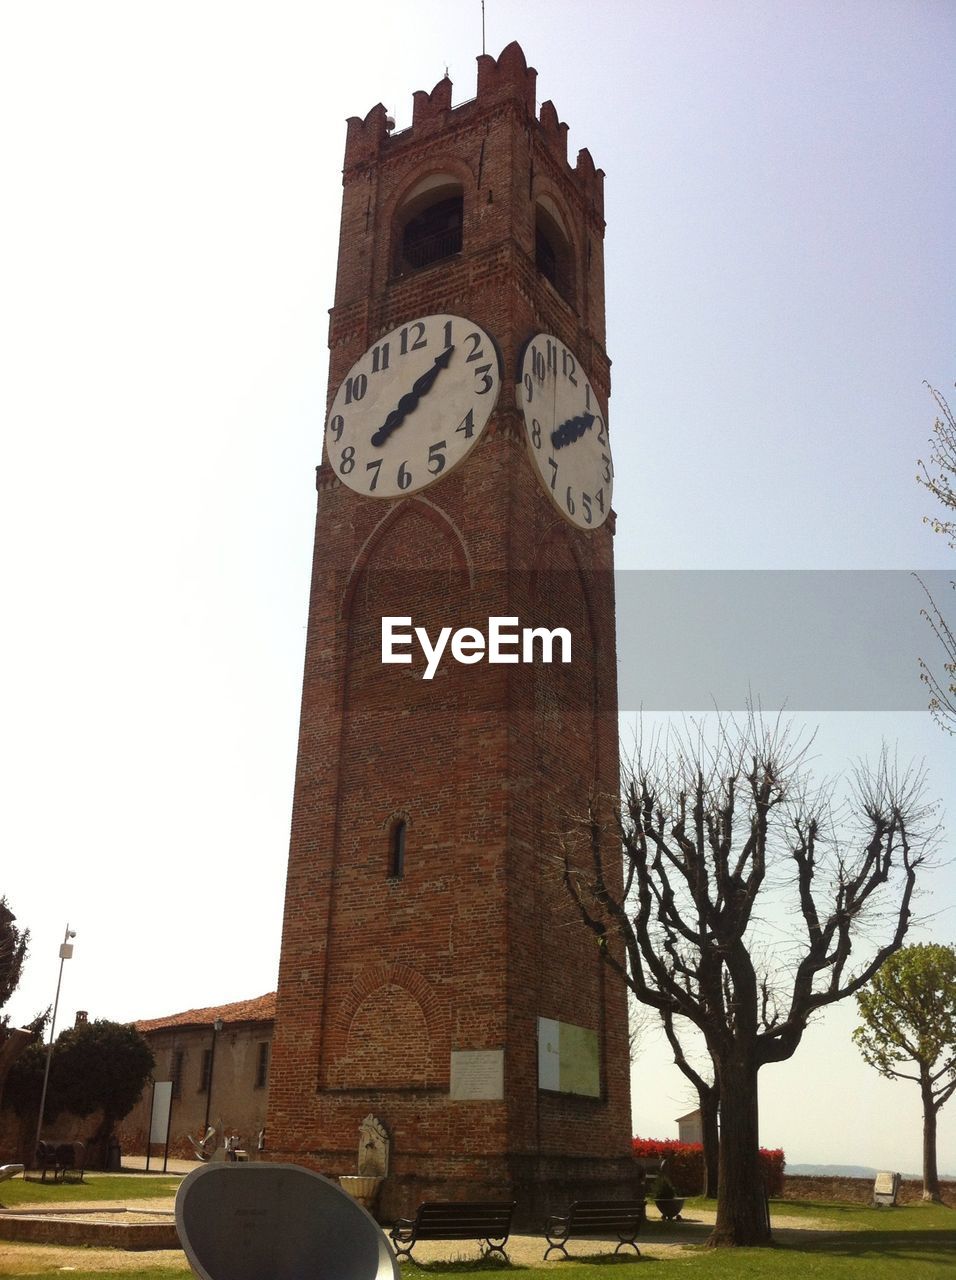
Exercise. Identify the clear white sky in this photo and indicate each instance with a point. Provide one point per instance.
(780, 201)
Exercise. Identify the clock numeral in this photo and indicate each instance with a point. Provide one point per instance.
(554, 473)
(435, 455)
(467, 424)
(537, 364)
(608, 472)
(447, 333)
(602, 434)
(569, 502)
(419, 341)
(337, 426)
(552, 357)
(570, 368)
(375, 467)
(347, 464)
(600, 499)
(380, 357)
(536, 433)
(487, 381)
(355, 388)
(528, 389)
(404, 476)
(587, 396)
(586, 502)
(476, 352)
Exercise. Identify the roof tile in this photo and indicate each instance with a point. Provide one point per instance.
(261, 1009)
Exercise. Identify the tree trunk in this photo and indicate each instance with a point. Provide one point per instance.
(709, 1105)
(931, 1189)
(742, 1217)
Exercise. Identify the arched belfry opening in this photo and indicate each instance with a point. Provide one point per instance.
(428, 225)
(553, 255)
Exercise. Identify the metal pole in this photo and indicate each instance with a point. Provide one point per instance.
(66, 952)
(216, 1028)
(149, 1134)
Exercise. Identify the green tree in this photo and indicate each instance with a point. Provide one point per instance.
(939, 477)
(909, 1033)
(13, 952)
(743, 900)
(98, 1066)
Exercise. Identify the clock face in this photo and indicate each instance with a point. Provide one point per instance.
(413, 406)
(567, 431)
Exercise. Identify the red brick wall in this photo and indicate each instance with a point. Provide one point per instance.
(381, 979)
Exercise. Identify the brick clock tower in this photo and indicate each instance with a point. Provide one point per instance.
(433, 973)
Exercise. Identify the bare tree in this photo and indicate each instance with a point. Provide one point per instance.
(710, 835)
(708, 1100)
(939, 477)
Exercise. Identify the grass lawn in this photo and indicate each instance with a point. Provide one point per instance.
(844, 1242)
(120, 1187)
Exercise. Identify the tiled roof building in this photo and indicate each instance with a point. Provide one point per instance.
(217, 1058)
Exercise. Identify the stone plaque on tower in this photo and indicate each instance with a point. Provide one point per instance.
(459, 698)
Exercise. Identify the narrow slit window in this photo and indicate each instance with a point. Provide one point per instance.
(176, 1072)
(396, 864)
(205, 1070)
(262, 1064)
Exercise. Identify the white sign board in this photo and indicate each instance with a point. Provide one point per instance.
(477, 1075)
(159, 1119)
(569, 1059)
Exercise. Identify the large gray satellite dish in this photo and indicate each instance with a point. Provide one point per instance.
(277, 1222)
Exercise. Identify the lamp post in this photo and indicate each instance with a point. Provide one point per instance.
(66, 953)
(216, 1028)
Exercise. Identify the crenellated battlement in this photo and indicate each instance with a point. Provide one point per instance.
(507, 78)
(430, 110)
(364, 139)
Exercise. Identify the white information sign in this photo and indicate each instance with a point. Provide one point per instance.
(477, 1075)
(159, 1120)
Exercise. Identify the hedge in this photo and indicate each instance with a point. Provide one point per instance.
(686, 1163)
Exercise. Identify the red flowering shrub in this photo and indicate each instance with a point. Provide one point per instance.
(773, 1164)
(686, 1163)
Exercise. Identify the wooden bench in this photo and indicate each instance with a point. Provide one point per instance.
(487, 1221)
(61, 1159)
(622, 1218)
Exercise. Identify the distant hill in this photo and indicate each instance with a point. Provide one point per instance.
(847, 1171)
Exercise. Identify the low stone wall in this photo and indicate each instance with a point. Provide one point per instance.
(855, 1190)
(98, 1229)
(17, 1134)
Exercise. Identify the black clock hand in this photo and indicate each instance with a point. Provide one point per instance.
(571, 430)
(420, 387)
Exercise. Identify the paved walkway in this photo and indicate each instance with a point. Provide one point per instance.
(137, 1164)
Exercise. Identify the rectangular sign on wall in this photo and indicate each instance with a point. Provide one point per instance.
(569, 1059)
(477, 1075)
